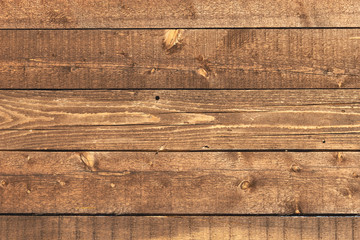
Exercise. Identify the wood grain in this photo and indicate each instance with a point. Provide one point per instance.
(180, 182)
(179, 152)
(178, 227)
(207, 59)
(178, 14)
(181, 120)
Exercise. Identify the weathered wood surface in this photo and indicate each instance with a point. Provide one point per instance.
(179, 227)
(180, 182)
(179, 120)
(178, 14)
(211, 58)
(183, 165)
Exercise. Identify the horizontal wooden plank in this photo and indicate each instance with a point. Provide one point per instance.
(178, 14)
(180, 182)
(178, 227)
(207, 59)
(161, 120)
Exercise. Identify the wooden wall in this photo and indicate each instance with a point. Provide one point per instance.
(173, 119)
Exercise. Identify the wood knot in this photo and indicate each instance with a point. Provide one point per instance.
(346, 192)
(58, 17)
(151, 71)
(3, 183)
(89, 161)
(295, 168)
(61, 183)
(339, 157)
(172, 40)
(200, 58)
(204, 70)
(245, 184)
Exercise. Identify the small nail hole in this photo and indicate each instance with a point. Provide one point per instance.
(157, 98)
(323, 141)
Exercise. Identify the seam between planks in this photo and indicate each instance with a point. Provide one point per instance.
(178, 215)
(181, 151)
(169, 89)
(186, 28)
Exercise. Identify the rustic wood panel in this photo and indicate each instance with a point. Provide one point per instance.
(179, 120)
(180, 182)
(211, 59)
(178, 227)
(178, 14)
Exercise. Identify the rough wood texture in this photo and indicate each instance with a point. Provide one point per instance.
(179, 120)
(177, 163)
(178, 13)
(212, 58)
(182, 228)
(180, 183)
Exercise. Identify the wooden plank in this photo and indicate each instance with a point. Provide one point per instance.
(136, 227)
(179, 120)
(178, 14)
(180, 182)
(210, 59)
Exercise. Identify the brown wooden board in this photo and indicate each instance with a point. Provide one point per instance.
(207, 59)
(180, 182)
(224, 110)
(178, 14)
(181, 120)
(179, 227)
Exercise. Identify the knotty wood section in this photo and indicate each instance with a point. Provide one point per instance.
(180, 182)
(178, 14)
(210, 59)
(178, 227)
(181, 120)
